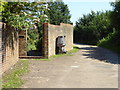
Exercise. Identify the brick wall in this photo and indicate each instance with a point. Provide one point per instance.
(0, 49)
(45, 40)
(10, 47)
(22, 43)
(51, 32)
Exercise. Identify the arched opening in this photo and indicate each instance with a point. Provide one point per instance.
(60, 44)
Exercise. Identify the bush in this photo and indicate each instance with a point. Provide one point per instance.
(111, 42)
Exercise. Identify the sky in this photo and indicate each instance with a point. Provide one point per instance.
(78, 8)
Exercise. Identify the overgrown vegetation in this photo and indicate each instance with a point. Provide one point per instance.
(100, 28)
(112, 41)
(12, 79)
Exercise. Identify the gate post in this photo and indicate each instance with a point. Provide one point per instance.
(22, 42)
(45, 40)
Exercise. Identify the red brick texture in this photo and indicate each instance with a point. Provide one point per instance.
(45, 40)
(51, 32)
(22, 43)
(10, 47)
(0, 48)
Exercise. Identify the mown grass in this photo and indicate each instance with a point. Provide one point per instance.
(12, 78)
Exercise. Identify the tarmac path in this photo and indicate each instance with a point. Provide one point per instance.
(90, 67)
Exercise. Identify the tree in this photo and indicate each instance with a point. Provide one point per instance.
(58, 12)
(23, 15)
(26, 15)
(92, 27)
(115, 15)
(2, 3)
(112, 41)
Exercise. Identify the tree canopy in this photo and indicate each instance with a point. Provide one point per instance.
(58, 12)
(92, 27)
(23, 14)
(115, 16)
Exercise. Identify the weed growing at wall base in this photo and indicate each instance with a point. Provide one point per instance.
(12, 78)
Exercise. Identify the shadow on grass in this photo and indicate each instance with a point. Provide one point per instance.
(75, 47)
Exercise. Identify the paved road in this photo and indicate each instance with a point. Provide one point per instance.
(91, 67)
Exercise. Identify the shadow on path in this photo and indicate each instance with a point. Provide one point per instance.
(101, 54)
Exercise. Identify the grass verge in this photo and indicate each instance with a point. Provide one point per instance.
(12, 78)
(69, 53)
(41, 59)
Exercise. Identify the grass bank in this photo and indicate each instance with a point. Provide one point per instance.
(12, 78)
(111, 42)
(111, 47)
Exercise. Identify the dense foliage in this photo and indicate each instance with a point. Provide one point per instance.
(2, 3)
(58, 12)
(25, 16)
(33, 38)
(112, 41)
(92, 27)
(115, 16)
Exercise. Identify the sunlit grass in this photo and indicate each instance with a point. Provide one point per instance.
(69, 53)
(40, 59)
(12, 79)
